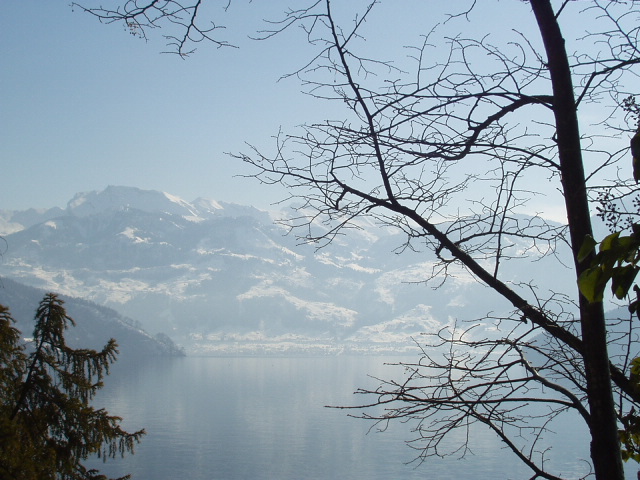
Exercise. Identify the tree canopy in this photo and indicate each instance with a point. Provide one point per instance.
(47, 424)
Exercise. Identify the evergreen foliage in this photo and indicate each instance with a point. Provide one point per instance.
(47, 425)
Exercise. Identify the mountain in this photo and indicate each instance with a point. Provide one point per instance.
(224, 278)
(11, 221)
(95, 324)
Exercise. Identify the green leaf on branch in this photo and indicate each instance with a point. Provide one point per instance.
(622, 280)
(616, 261)
(587, 248)
(609, 242)
(635, 371)
(592, 283)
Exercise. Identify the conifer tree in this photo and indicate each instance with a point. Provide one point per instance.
(47, 425)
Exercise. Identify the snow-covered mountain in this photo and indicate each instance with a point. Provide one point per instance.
(223, 278)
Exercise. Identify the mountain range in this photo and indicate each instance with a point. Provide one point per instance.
(222, 278)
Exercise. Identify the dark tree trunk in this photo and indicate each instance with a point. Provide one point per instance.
(605, 446)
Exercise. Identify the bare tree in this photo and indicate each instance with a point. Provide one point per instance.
(449, 149)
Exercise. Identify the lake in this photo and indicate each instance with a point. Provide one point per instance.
(265, 418)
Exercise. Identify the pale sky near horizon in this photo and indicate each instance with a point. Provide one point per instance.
(86, 105)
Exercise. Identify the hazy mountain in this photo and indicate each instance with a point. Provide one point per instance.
(14, 221)
(95, 324)
(221, 277)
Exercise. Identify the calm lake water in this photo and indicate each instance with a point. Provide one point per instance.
(265, 418)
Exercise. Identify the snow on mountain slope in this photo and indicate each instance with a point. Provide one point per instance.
(14, 221)
(121, 198)
(221, 278)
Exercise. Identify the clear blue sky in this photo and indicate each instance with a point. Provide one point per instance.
(85, 105)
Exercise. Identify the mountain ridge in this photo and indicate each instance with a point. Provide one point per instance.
(224, 278)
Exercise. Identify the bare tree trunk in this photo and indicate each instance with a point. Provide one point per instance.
(605, 445)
